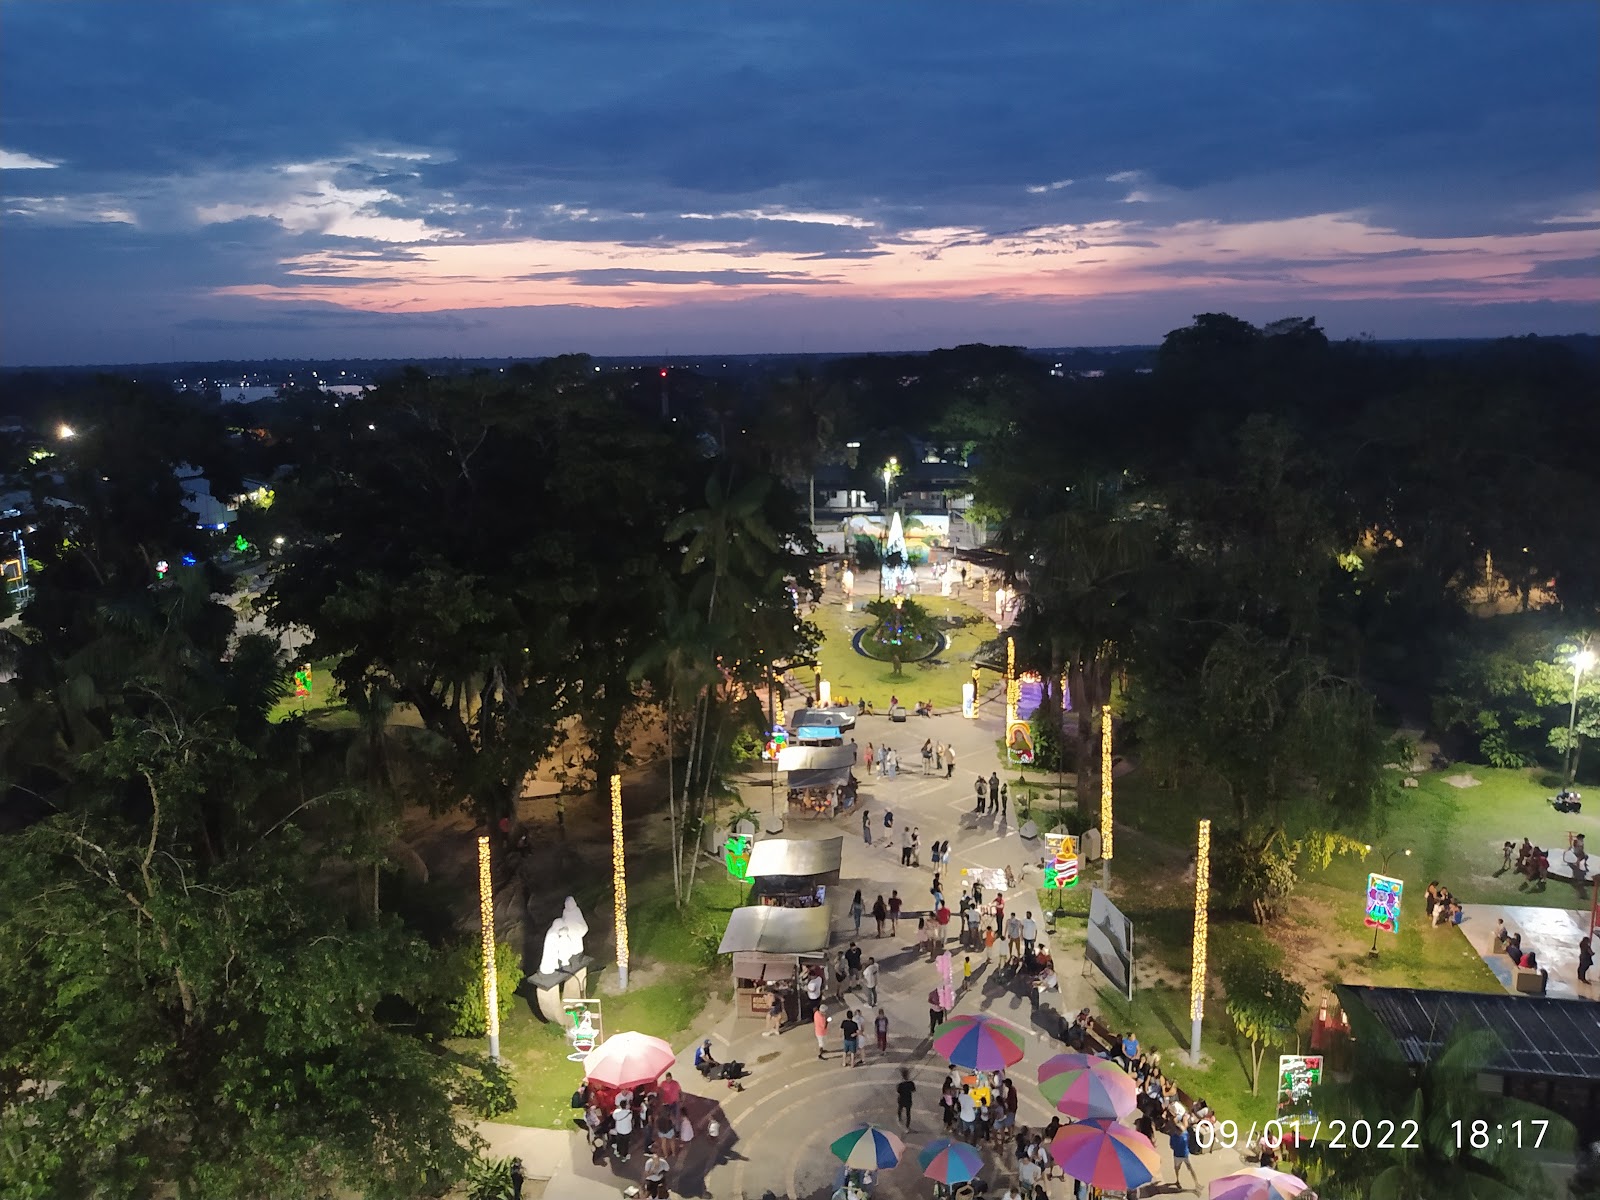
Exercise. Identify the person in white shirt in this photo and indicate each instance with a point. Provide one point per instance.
(1030, 932)
(869, 980)
(1014, 935)
(655, 1175)
(621, 1131)
(968, 1112)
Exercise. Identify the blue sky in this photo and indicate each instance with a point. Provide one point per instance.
(208, 180)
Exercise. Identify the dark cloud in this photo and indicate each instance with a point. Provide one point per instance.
(605, 124)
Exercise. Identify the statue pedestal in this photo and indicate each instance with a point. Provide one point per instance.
(552, 989)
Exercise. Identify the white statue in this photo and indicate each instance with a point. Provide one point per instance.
(564, 941)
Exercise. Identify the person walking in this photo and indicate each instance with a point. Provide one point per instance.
(869, 980)
(1585, 958)
(819, 1026)
(866, 827)
(841, 976)
(935, 1011)
(988, 943)
(916, 846)
(852, 1039)
(904, 1092)
(1178, 1142)
(1004, 799)
(942, 919)
(949, 761)
(895, 905)
(880, 913)
(667, 1131)
(774, 1016)
(927, 755)
(936, 890)
(880, 1027)
(858, 909)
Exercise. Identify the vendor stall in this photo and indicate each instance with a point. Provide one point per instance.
(820, 780)
(771, 948)
(794, 872)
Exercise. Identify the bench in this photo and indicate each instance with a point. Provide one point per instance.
(1528, 981)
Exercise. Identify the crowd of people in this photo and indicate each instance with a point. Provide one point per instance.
(1443, 908)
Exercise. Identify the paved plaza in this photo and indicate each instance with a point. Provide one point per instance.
(774, 1135)
(1551, 933)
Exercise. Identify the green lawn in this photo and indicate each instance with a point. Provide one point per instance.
(673, 949)
(325, 694)
(851, 675)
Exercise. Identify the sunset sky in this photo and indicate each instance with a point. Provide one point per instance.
(198, 181)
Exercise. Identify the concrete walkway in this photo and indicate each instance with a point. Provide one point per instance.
(773, 1136)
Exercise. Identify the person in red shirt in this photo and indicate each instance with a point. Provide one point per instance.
(819, 1023)
(943, 917)
(670, 1092)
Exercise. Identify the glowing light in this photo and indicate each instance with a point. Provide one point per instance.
(1013, 685)
(619, 880)
(778, 717)
(491, 993)
(1105, 782)
(65, 431)
(1202, 929)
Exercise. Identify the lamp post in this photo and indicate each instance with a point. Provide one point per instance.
(1581, 662)
(619, 881)
(1202, 935)
(491, 986)
(888, 474)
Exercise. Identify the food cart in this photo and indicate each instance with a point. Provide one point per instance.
(771, 947)
(794, 872)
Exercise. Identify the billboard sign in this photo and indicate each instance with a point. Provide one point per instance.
(1383, 903)
(1110, 942)
(1298, 1077)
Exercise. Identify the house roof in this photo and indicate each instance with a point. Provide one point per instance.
(795, 856)
(774, 930)
(1549, 1038)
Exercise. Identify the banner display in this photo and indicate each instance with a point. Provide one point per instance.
(736, 856)
(1110, 942)
(1298, 1077)
(1383, 903)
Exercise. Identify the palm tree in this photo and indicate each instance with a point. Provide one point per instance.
(1433, 1108)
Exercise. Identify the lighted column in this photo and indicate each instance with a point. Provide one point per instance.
(1105, 795)
(1011, 683)
(619, 881)
(1202, 931)
(977, 693)
(491, 990)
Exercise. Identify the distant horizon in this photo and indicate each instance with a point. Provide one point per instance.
(700, 179)
(669, 359)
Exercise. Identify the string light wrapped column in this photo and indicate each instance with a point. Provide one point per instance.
(1202, 932)
(491, 987)
(619, 881)
(1105, 795)
(1013, 688)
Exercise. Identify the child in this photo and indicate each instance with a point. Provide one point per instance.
(988, 943)
(966, 971)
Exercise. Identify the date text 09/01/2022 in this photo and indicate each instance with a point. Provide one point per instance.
(1376, 1135)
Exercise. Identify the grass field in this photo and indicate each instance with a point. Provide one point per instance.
(673, 973)
(938, 679)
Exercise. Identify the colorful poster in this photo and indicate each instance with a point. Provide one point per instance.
(302, 682)
(1383, 903)
(736, 856)
(1298, 1077)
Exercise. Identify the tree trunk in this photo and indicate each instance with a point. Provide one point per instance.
(672, 814)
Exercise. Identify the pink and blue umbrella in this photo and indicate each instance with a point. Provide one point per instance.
(980, 1043)
(868, 1148)
(948, 1161)
(1112, 1157)
(1088, 1088)
(1257, 1183)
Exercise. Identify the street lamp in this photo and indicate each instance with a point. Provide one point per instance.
(888, 474)
(1581, 662)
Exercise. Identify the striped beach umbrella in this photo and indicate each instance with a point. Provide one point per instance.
(948, 1161)
(1088, 1088)
(1256, 1183)
(868, 1148)
(979, 1042)
(1112, 1157)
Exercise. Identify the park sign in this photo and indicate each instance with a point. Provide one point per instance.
(1383, 902)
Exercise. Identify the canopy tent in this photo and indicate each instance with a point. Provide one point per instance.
(815, 758)
(770, 947)
(796, 857)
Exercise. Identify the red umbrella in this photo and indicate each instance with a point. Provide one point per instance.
(626, 1059)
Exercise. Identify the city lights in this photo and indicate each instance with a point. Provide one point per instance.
(1202, 931)
(491, 993)
(1013, 688)
(619, 881)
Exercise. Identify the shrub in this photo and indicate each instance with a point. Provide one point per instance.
(461, 987)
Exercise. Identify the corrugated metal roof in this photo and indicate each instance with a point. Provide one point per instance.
(795, 856)
(773, 930)
(1553, 1039)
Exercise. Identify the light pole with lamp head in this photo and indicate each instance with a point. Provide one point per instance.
(1581, 662)
(883, 540)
